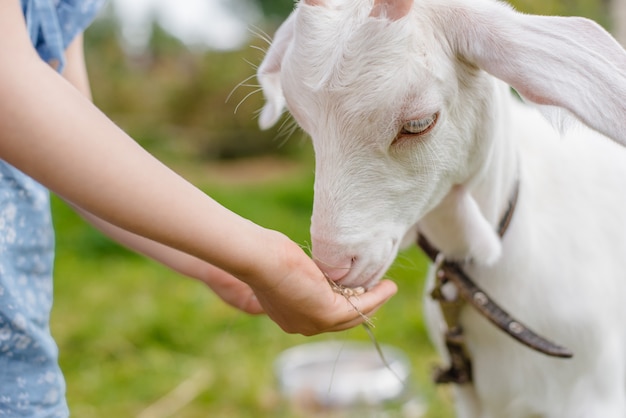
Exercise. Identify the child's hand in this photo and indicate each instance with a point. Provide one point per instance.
(297, 296)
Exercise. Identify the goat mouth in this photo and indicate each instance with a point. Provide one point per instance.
(360, 277)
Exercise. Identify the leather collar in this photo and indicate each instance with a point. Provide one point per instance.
(468, 292)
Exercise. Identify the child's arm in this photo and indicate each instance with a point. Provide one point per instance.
(53, 133)
(229, 288)
(233, 291)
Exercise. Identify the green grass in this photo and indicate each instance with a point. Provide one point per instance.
(130, 331)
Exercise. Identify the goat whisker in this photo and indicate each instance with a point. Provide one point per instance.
(251, 64)
(258, 48)
(260, 34)
(242, 83)
(287, 129)
(246, 97)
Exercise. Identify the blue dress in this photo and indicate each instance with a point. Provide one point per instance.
(31, 383)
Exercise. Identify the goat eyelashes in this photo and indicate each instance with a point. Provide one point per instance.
(416, 128)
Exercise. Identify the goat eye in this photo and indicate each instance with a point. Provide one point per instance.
(419, 126)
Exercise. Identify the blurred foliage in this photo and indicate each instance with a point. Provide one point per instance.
(593, 9)
(276, 9)
(173, 99)
(589, 8)
(202, 105)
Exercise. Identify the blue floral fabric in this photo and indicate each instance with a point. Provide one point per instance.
(53, 24)
(31, 383)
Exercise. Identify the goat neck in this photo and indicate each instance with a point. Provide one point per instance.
(463, 226)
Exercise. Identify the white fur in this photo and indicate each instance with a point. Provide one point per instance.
(352, 73)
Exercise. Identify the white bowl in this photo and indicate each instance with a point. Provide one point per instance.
(342, 373)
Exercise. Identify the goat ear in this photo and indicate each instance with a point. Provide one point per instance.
(570, 62)
(391, 9)
(268, 75)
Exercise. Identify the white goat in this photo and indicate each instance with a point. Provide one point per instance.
(414, 127)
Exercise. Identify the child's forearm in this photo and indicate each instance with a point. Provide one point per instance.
(54, 134)
(227, 287)
(230, 289)
(76, 73)
(59, 138)
(75, 68)
(178, 261)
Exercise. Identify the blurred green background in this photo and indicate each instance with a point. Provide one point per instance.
(133, 335)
